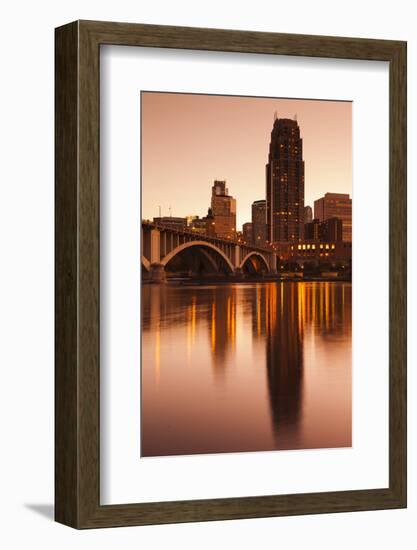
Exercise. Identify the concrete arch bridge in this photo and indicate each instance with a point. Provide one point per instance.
(170, 251)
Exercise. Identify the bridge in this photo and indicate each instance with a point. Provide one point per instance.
(167, 251)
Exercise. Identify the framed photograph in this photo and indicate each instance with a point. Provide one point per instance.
(230, 274)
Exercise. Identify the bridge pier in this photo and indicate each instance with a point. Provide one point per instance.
(157, 273)
(273, 263)
(155, 246)
(237, 258)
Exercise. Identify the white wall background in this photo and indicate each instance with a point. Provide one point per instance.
(26, 273)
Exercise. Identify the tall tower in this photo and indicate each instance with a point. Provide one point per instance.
(223, 207)
(285, 183)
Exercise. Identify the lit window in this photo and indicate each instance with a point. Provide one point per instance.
(321, 246)
(299, 247)
(313, 247)
(333, 246)
(304, 246)
(327, 247)
(308, 247)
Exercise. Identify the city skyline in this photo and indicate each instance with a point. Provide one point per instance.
(217, 302)
(232, 133)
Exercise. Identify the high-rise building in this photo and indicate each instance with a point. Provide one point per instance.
(259, 222)
(312, 230)
(247, 232)
(285, 183)
(223, 208)
(336, 205)
(308, 214)
(326, 231)
(331, 230)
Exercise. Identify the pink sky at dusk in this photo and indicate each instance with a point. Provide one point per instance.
(190, 140)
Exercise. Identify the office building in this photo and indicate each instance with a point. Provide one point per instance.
(285, 183)
(223, 208)
(336, 205)
(312, 230)
(171, 222)
(259, 222)
(331, 230)
(247, 232)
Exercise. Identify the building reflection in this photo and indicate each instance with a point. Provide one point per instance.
(283, 306)
(162, 308)
(222, 327)
(276, 319)
(281, 313)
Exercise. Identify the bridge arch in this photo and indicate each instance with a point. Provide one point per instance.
(200, 244)
(146, 263)
(258, 255)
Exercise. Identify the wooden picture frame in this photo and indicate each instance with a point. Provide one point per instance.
(77, 374)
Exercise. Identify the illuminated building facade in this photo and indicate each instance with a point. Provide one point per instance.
(325, 231)
(198, 225)
(320, 252)
(285, 183)
(223, 208)
(336, 205)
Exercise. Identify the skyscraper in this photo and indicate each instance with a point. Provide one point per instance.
(223, 208)
(308, 214)
(285, 183)
(336, 205)
(312, 230)
(259, 222)
(331, 230)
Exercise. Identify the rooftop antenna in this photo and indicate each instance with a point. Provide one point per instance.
(295, 116)
(159, 210)
(170, 214)
(275, 116)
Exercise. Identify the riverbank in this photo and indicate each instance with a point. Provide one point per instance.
(249, 279)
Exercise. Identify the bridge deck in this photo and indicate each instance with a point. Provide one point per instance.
(202, 237)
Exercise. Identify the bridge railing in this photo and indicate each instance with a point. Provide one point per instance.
(208, 238)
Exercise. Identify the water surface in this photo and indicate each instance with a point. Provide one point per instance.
(245, 367)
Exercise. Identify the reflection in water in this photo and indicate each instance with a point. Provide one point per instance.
(251, 367)
(284, 357)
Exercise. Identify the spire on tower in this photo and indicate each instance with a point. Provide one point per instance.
(275, 116)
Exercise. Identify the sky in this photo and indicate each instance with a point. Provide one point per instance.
(189, 140)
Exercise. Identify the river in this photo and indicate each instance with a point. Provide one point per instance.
(245, 367)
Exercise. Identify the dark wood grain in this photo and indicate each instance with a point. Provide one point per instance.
(78, 287)
(66, 237)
